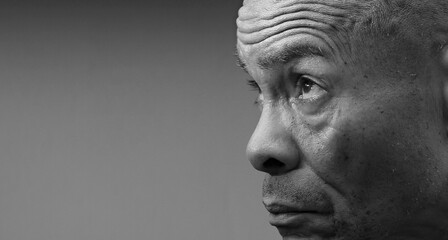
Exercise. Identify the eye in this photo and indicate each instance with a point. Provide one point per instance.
(309, 89)
(253, 85)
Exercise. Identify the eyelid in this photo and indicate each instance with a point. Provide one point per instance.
(319, 82)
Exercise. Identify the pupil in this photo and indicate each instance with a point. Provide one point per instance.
(307, 85)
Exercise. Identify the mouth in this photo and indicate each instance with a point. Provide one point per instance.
(286, 214)
(301, 220)
(280, 207)
(295, 219)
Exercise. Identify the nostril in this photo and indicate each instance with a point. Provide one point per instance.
(273, 164)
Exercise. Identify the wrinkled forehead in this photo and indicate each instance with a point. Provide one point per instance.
(360, 32)
(266, 4)
(262, 22)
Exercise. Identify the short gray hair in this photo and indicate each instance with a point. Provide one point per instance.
(408, 32)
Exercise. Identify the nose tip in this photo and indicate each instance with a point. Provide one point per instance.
(272, 148)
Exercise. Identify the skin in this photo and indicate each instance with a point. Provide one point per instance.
(359, 133)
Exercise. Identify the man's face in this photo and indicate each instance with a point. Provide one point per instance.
(351, 147)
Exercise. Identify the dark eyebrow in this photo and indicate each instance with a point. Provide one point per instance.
(285, 55)
(291, 52)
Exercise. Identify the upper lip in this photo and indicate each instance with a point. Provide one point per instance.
(277, 208)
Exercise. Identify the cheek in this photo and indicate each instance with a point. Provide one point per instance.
(374, 152)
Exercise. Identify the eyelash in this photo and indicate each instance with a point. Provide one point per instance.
(253, 85)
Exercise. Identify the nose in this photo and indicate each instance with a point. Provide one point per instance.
(272, 147)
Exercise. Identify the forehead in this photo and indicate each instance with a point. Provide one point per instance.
(264, 25)
(262, 4)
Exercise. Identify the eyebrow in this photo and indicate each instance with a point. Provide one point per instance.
(285, 55)
(289, 53)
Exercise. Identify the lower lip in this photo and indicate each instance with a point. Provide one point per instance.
(303, 224)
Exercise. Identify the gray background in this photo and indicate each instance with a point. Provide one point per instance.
(125, 120)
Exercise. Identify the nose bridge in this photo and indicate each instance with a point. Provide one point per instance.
(272, 147)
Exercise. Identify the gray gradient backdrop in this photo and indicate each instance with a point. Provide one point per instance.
(125, 121)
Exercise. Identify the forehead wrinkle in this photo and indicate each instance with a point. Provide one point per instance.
(260, 25)
(346, 4)
(255, 21)
(330, 47)
(310, 16)
(259, 11)
(324, 8)
(250, 38)
(263, 22)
